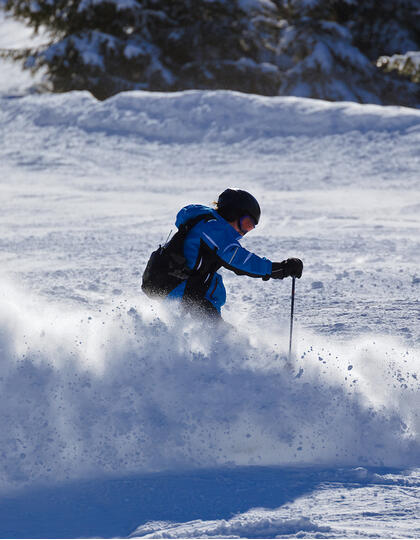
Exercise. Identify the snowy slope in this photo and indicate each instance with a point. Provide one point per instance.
(97, 380)
(118, 416)
(346, 200)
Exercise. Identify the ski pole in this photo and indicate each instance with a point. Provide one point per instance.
(291, 317)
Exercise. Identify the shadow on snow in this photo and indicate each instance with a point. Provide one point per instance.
(117, 506)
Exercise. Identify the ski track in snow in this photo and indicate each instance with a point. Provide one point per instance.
(99, 382)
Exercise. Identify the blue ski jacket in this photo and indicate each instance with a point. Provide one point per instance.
(210, 245)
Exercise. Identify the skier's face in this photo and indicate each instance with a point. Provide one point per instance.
(246, 224)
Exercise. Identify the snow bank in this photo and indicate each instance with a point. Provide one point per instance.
(254, 524)
(194, 116)
(336, 508)
(134, 390)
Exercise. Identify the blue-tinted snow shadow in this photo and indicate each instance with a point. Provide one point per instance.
(116, 507)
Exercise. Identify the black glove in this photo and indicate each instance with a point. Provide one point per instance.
(289, 267)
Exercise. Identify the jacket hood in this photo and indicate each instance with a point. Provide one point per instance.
(194, 210)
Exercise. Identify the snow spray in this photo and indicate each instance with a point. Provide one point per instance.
(136, 388)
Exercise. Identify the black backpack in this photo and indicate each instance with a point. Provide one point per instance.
(167, 266)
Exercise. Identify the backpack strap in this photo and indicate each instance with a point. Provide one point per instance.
(175, 246)
(186, 227)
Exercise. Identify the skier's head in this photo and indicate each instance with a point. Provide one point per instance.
(239, 207)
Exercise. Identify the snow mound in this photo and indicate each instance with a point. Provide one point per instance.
(253, 524)
(193, 116)
(140, 389)
(336, 508)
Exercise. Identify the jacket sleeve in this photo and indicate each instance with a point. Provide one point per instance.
(234, 257)
(244, 262)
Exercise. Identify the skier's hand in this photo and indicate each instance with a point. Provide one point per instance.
(294, 267)
(290, 267)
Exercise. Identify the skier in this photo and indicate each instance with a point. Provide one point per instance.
(212, 241)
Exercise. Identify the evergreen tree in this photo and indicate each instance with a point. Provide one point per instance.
(319, 56)
(407, 64)
(107, 46)
(388, 28)
(384, 28)
(325, 53)
(324, 49)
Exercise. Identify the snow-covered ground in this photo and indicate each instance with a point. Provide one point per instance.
(117, 415)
